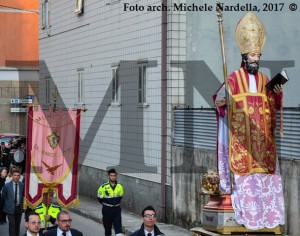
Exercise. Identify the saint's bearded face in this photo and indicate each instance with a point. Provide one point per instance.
(251, 62)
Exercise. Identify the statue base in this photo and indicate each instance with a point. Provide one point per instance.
(203, 232)
(218, 216)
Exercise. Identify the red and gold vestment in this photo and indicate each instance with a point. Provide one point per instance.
(252, 119)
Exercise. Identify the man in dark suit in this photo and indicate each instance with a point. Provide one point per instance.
(12, 194)
(148, 227)
(64, 226)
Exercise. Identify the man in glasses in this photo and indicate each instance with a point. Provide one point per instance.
(64, 226)
(32, 224)
(148, 227)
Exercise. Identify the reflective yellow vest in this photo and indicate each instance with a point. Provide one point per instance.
(110, 196)
(53, 210)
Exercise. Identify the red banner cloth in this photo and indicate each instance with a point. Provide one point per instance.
(52, 155)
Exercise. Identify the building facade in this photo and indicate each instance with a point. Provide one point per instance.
(19, 78)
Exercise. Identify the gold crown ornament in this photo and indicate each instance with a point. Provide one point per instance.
(250, 34)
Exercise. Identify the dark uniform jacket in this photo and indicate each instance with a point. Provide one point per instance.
(5, 160)
(141, 231)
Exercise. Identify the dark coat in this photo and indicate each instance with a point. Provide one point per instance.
(53, 232)
(2, 182)
(141, 231)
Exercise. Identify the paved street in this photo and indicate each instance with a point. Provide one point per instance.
(87, 226)
(88, 218)
(90, 208)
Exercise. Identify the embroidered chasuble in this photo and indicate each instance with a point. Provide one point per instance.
(252, 147)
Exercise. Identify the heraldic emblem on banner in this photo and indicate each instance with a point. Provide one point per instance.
(53, 139)
(52, 151)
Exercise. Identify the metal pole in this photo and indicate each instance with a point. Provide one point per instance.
(219, 9)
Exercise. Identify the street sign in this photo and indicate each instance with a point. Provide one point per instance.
(29, 96)
(20, 101)
(18, 109)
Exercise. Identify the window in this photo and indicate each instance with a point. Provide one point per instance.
(45, 14)
(80, 86)
(142, 90)
(115, 85)
(79, 7)
(47, 92)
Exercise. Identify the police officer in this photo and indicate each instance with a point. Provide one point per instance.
(110, 195)
(48, 211)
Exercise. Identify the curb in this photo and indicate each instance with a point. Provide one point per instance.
(86, 214)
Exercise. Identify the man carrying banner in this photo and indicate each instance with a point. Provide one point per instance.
(250, 152)
(48, 211)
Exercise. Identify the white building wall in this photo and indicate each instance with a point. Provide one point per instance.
(177, 47)
(103, 36)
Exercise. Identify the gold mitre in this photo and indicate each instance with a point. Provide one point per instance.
(250, 34)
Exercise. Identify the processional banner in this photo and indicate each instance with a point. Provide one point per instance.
(52, 155)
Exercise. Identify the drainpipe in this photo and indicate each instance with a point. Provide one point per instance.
(163, 109)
